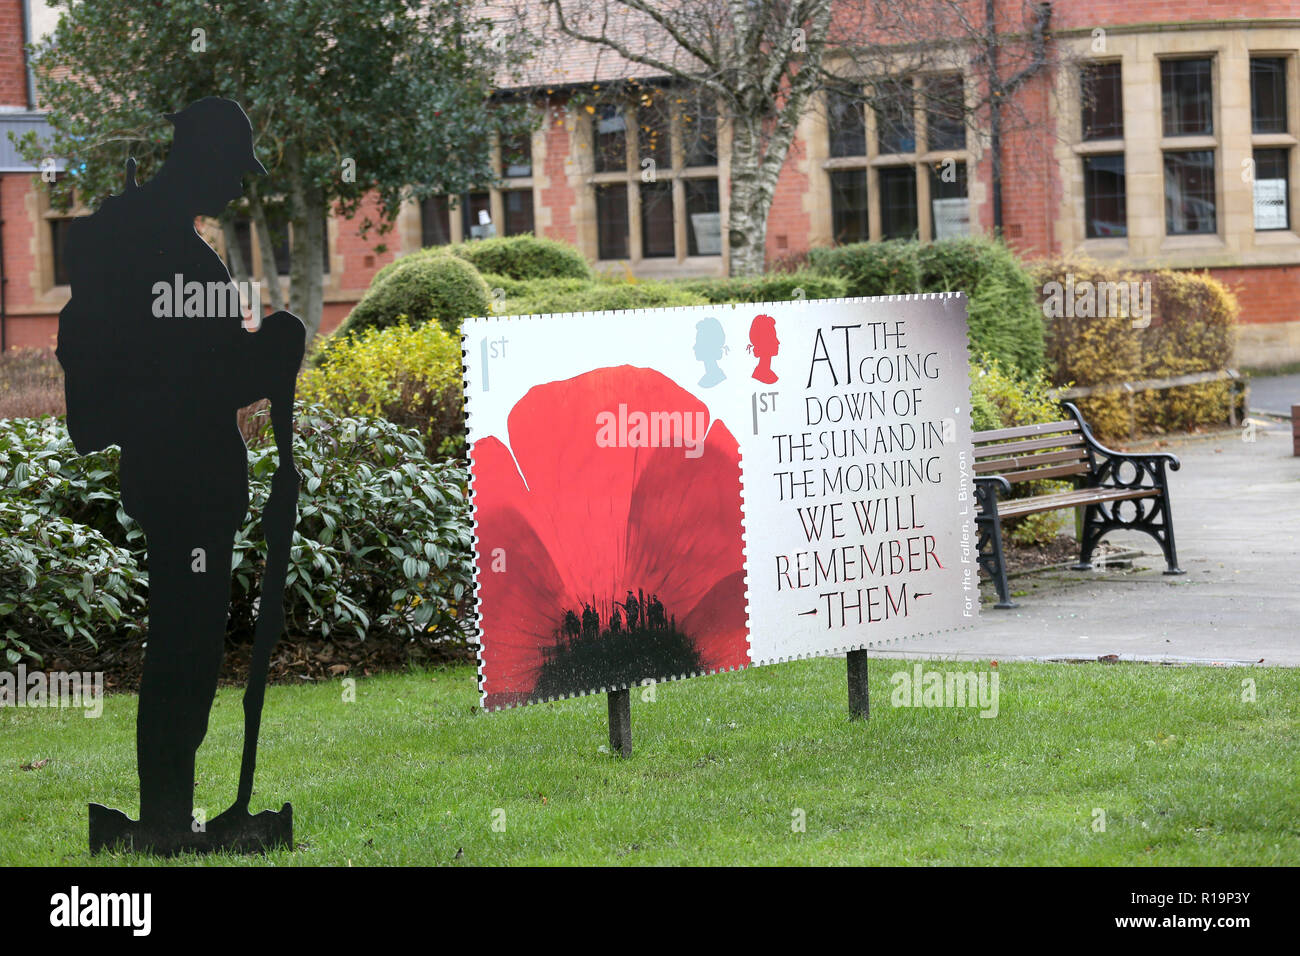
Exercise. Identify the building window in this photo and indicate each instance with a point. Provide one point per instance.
(59, 246)
(435, 221)
(611, 221)
(517, 205)
(1187, 97)
(849, 206)
(1272, 185)
(1189, 192)
(1103, 101)
(476, 215)
(945, 113)
(703, 218)
(848, 126)
(667, 178)
(700, 130)
(653, 133)
(895, 118)
(610, 130)
(949, 207)
(1268, 94)
(898, 202)
(517, 156)
(860, 173)
(657, 220)
(1105, 199)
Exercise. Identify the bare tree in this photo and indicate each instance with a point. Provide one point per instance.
(761, 59)
(769, 61)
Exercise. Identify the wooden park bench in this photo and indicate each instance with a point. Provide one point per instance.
(1117, 490)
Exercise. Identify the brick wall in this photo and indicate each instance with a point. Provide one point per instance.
(558, 199)
(1266, 294)
(788, 224)
(13, 62)
(1111, 13)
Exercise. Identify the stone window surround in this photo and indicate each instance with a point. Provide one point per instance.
(1140, 52)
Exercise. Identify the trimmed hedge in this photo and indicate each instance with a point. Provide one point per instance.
(1191, 328)
(1005, 321)
(773, 287)
(421, 288)
(602, 297)
(871, 268)
(523, 257)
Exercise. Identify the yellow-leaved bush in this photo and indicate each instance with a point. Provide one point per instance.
(411, 377)
(1006, 398)
(1189, 328)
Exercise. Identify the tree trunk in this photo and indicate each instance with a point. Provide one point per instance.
(747, 217)
(307, 260)
(234, 253)
(270, 272)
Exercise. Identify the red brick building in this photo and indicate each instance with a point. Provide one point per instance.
(1184, 156)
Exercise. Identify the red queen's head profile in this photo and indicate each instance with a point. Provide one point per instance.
(764, 345)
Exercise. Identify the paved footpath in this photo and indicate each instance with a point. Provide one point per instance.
(1236, 508)
(1275, 393)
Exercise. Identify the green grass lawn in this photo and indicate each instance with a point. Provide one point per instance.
(411, 773)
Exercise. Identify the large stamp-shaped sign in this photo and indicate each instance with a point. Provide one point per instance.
(672, 492)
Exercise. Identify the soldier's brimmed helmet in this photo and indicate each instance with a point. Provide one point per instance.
(216, 123)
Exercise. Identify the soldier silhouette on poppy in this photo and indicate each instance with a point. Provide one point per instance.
(166, 388)
(633, 608)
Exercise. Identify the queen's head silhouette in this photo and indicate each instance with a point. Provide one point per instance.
(710, 344)
(764, 345)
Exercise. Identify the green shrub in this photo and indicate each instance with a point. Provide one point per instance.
(872, 268)
(421, 287)
(411, 377)
(984, 413)
(62, 585)
(507, 292)
(523, 257)
(382, 548)
(1008, 400)
(603, 297)
(383, 545)
(1005, 321)
(772, 287)
(70, 573)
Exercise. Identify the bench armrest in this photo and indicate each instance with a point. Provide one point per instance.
(999, 483)
(1145, 463)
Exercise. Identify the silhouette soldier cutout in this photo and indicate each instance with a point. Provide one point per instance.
(166, 388)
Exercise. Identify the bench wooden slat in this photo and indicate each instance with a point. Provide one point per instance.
(1016, 447)
(1026, 431)
(1071, 499)
(1045, 474)
(1025, 462)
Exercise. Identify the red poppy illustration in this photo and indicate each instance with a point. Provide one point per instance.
(610, 545)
